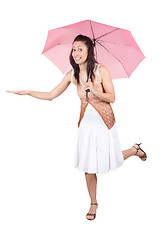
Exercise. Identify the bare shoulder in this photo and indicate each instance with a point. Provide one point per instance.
(106, 80)
(104, 72)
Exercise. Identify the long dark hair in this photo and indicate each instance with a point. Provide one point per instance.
(90, 59)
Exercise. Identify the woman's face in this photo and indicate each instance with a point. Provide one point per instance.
(79, 52)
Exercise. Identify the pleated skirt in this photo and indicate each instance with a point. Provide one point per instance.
(97, 148)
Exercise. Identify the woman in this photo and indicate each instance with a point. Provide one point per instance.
(97, 148)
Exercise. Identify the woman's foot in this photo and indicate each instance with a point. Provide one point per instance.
(92, 210)
(139, 152)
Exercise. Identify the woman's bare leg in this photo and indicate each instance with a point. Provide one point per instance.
(131, 152)
(128, 153)
(91, 180)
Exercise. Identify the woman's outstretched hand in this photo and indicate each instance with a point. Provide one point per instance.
(20, 92)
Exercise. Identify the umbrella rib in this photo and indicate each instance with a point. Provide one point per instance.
(108, 33)
(117, 43)
(92, 30)
(94, 40)
(116, 58)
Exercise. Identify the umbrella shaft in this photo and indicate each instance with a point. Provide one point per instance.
(87, 91)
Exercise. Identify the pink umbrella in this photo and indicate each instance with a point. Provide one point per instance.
(114, 47)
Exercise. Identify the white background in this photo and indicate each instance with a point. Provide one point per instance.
(42, 196)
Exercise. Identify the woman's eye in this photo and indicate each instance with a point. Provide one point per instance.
(79, 49)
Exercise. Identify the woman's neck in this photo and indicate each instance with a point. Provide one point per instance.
(83, 67)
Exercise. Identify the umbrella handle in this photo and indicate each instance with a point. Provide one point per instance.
(87, 91)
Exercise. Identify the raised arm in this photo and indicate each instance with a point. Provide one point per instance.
(109, 94)
(58, 90)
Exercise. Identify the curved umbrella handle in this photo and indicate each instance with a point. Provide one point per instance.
(87, 91)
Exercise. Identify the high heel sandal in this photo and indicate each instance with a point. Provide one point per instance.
(144, 155)
(92, 214)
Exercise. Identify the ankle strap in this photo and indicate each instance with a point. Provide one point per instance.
(94, 203)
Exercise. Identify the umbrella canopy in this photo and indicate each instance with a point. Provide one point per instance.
(114, 47)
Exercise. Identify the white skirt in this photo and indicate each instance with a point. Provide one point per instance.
(97, 148)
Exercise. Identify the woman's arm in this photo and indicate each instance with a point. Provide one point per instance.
(109, 94)
(58, 90)
(39, 95)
